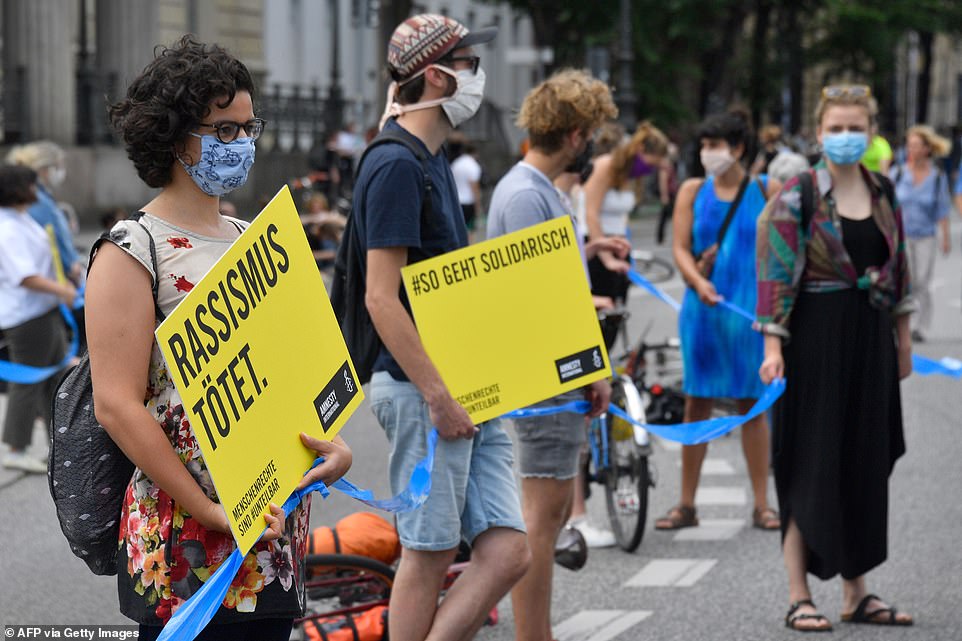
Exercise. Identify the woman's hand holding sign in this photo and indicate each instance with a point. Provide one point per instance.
(337, 460)
(215, 518)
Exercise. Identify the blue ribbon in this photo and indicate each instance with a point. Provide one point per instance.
(692, 433)
(735, 309)
(194, 615)
(652, 289)
(945, 366)
(920, 364)
(28, 374)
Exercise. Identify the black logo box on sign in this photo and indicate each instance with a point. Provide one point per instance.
(335, 396)
(580, 364)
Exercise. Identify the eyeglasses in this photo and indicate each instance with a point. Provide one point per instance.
(854, 91)
(474, 60)
(227, 131)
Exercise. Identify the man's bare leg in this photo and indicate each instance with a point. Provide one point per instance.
(499, 557)
(545, 504)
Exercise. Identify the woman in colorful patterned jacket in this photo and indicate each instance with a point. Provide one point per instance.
(833, 304)
(189, 127)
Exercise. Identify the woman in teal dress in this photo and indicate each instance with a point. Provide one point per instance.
(720, 350)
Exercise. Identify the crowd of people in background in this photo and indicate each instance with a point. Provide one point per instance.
(833, 241)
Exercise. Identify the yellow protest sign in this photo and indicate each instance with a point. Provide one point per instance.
(257, 356)
(509, 322)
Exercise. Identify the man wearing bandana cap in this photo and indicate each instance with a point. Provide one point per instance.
(437, 83)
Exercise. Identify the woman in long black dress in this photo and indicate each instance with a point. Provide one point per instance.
(833, 304)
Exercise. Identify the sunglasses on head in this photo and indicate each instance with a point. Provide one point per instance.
(854, 91)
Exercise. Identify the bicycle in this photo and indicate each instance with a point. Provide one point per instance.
(340, 587)
(656, 370)
(619, 451)
(653, 268)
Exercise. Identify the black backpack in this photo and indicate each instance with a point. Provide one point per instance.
(807, 181)
(87, 473)
(349, 287)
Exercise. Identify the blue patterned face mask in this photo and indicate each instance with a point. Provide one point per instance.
(223, 167)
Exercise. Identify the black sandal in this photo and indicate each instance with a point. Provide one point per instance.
(791, 619)
(888, 614)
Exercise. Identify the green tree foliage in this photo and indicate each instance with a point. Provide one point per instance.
(567, 27)
(693, 57)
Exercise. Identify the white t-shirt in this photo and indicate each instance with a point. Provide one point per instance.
(615, 210)
(466, 170)
(24, 252)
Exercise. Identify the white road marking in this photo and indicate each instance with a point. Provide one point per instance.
(682, 573)
(717, 467)
(598, 625)
(720, 496)
(711, 530)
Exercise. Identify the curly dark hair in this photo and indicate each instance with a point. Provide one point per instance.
(17, 185)
(172, 97)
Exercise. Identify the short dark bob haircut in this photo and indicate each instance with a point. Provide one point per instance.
(170, 99)
(732, 126)
(17, 185)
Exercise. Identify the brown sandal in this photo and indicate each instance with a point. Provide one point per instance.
(678, 517)
(766, 519)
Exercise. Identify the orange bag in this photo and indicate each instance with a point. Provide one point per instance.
(370, 625)
(363, 534)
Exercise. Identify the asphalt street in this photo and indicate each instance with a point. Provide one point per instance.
(721, 581)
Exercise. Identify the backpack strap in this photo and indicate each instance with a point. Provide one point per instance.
(337, 540)
(349, 620)
(318, 629)
(806, 181)
(408, 141)
(136, 216)
(888, 187)
(732, 209)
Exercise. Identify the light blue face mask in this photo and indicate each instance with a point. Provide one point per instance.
(223, 167)
(846, 147)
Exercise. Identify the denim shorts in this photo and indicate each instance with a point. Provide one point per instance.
(550, 446)
(473, 488)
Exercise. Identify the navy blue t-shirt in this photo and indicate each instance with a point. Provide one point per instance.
(387, 203)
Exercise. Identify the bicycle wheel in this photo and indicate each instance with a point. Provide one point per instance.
(655, 269)
(345, 580)
(627, 477)
(341, 584)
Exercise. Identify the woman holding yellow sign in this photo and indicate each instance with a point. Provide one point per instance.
(189, 127)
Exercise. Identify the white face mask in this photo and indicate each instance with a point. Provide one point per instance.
(56, 176)
(458, 107)
(467, 98)
(716, 161)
